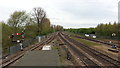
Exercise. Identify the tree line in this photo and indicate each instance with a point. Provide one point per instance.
(35, 24)
(107, 30)
(101, 30)
(82, 30)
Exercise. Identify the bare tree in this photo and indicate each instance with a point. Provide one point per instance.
(39, 14)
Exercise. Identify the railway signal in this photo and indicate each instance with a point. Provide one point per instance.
(12, 36)
(19, 38)
(18, 33)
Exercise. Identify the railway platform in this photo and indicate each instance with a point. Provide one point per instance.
(39, 58)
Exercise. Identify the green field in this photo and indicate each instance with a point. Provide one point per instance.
(86, 42)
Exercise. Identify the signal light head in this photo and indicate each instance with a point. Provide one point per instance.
(18, 33)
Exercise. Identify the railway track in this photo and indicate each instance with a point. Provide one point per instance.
(43, 43)
(85, 60)
(108, 61)
(88, 56)
(94, 40)
(11, 59)
(71, 57)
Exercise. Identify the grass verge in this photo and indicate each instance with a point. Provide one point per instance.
(86, 42)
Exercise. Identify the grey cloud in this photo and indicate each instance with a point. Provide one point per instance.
(79, 12)
(87, 10)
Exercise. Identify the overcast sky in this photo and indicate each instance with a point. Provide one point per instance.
(68, 13)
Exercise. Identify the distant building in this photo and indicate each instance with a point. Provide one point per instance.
(87, 35)
(92, 35)
(119, 11)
